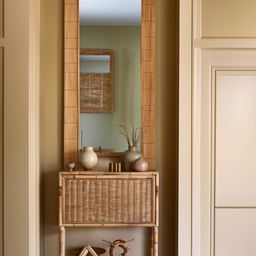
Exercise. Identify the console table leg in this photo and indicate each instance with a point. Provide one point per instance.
(154, 239)
(62, 241)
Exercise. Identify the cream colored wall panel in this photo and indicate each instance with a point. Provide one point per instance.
(1, 143)
(236, 138)
(228, 18)
(235, 232)
(1, 18)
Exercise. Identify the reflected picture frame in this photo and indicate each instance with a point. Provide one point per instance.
(97, 88)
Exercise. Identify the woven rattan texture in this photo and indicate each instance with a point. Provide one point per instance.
(96, 93)
(107, 201)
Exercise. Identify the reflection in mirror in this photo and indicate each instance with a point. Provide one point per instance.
(96, 81)
(94, 63)
(109, 71)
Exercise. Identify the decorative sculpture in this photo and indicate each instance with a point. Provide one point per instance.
(88, 250)
(77, 251)
(118, 243)
(71, 166)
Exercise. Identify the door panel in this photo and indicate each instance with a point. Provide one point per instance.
(224, 139)
(235, 232)
(235, 138)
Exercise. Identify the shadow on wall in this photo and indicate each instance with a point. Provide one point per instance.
(51, 120)
(167, 122)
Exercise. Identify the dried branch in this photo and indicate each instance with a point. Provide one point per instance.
(131, 134)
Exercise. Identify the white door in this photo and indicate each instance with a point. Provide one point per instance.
(224, 164)
(217, 155)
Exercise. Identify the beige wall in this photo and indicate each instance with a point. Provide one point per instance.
(167, 122)
(52, 129)
(16, 130)
(220, 18)
(51, 102)
(1, 144)
(18, 85)
(229, 18)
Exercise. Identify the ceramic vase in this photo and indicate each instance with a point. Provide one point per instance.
(140, 165)
(88, 158)
(130, 156)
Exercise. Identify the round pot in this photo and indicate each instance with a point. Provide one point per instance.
(140, 165)
(88, 158)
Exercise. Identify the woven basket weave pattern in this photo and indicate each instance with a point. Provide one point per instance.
(96, 92)
(107, 201)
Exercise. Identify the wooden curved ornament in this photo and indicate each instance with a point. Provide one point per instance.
(118, 244)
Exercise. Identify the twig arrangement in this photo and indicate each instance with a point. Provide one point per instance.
(131, 134)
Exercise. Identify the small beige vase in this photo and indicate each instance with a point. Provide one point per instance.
(88, 158)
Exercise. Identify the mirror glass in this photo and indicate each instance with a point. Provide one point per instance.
(94, 63)
(110, 33)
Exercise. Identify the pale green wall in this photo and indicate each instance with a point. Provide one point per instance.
(94, 66)
(125, 41)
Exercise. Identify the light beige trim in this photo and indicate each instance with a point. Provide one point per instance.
(185, 128)
(34, 79)
(223, 43)
(197, 18)
(192, 45)
(203, 134)
(21, 122)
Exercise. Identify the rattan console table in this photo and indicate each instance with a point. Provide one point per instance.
(107, 199)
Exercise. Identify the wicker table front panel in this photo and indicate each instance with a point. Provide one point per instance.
(108, 200)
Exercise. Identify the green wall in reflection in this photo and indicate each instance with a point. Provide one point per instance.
(102, 129)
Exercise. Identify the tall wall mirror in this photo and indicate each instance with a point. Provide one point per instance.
(109, 75)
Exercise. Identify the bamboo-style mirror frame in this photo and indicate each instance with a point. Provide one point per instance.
(72, 74)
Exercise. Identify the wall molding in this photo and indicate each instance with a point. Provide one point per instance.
(33, 98)
(192, 45)
(225, 43)
(185, 127)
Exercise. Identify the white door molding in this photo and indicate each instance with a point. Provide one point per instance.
(34, 83)
(199, 57)
(185, 128)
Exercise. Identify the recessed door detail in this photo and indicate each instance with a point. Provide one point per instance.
(235, 232)
(224, 146)
(235, 162)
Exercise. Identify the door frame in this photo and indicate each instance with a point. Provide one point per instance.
(191, 42)
(34, 117)
(185, 130)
